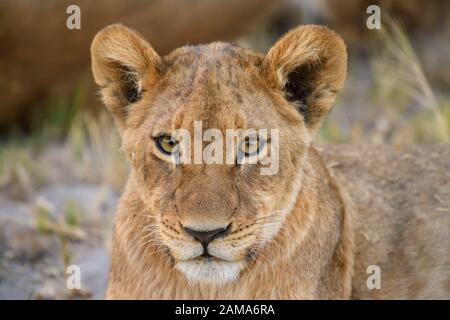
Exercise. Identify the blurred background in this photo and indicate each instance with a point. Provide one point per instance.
(61, 170)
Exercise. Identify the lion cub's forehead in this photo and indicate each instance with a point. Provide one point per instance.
(212, 67)
(217, 53)
(219, 84)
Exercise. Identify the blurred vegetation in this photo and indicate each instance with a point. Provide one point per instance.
(400, 103)
(72, 144)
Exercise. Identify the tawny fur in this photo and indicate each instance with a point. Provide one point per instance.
(295, 234)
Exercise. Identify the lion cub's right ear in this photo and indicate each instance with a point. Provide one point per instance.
(123, 64)
(309, 63)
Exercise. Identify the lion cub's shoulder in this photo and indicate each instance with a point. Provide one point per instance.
(402, 196)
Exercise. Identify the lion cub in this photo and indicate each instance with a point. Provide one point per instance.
(213, 229)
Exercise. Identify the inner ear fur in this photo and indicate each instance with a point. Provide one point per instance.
(309, 63)
(123, 62)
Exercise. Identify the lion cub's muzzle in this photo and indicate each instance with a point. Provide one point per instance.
(205, 237)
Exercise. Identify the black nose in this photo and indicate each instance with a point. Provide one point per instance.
(205, 237)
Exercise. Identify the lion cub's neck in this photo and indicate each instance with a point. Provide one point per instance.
(311, 257)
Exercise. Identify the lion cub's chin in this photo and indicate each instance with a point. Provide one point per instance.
(210, 270)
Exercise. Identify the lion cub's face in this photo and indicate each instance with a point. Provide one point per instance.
(216, 136)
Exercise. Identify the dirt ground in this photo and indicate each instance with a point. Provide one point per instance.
(33, 258)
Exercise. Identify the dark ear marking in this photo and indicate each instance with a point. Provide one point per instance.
(301, 87)
(298, 88)
(130, 85)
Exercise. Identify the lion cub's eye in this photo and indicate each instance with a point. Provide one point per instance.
(166, 144)
(251, 146)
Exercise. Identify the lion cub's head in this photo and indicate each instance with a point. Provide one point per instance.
(191, 123)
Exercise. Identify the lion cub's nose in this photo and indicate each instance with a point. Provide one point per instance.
(205, 237)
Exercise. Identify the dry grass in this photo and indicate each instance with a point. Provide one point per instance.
(396, 104)
(88, 153)
(95, 145)
(401, 75)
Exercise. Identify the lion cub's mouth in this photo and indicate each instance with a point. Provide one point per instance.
(209, 257)
(206, 256)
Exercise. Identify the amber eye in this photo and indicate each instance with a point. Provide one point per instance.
(251, 146)
(166, 144)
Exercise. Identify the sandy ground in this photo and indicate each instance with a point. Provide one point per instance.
(31, 259)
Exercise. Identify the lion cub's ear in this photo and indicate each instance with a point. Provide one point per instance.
(309, 63)
(123, 63)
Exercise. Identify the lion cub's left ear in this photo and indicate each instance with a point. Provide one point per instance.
(309, 63)
(123, 64)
